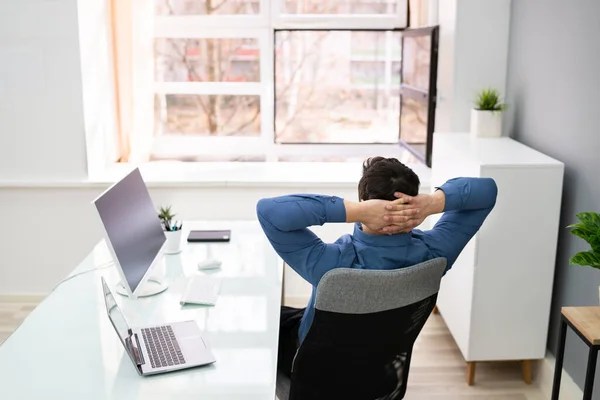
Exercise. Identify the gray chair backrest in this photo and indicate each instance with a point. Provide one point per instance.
(361, 291)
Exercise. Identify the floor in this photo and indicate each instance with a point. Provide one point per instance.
(437, 372)
(11, 315)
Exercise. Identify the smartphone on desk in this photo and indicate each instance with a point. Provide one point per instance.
(209, 236)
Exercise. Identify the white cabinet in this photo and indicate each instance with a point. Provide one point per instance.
(496, 298)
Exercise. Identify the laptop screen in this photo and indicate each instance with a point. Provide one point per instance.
(116, 318)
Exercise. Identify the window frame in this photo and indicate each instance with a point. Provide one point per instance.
(428, 96)
(263, 26)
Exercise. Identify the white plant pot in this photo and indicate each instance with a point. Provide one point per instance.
(486, 124)
(173, 244)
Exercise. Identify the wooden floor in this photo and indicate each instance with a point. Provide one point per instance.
(437, 370)
(11, 315)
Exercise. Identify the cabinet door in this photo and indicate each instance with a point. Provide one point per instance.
(514, 272)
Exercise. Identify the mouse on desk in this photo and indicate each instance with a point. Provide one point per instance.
(209, 264)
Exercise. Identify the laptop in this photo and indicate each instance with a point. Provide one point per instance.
(159, 349)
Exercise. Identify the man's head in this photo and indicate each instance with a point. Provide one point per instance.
(382, 177)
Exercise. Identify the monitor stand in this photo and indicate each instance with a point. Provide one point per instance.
(151, 287)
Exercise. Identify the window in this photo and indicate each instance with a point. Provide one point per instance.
(418, 91)
(336, 86)
(264, 80)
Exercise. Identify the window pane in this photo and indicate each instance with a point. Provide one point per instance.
(340, 6)
(326, 93)
(375, 44)
(417, 57)
(206, 60)
(372, 73)
(413, 123)
(206, 7)
(214, 115)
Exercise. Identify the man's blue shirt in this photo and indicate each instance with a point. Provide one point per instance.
(285, 221)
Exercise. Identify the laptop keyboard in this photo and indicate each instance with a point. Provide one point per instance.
(162, 347)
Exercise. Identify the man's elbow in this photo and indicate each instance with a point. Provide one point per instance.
(271, 215)
(263, 208)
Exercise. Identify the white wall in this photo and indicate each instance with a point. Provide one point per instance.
(474, 36)
(41, 111)
(445, 92)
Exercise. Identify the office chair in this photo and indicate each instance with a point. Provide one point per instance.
(365, 325)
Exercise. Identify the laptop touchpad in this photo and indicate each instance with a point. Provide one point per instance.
(187, 329)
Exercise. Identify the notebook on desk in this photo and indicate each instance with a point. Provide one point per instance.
(201, 290)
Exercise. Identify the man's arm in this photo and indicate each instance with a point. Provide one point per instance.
(466, 204)
(285, 221)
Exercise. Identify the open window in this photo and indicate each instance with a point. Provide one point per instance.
(274, 80)
(418, 79)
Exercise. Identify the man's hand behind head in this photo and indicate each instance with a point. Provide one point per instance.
(374, 215)
(398, 216)
(408, 212)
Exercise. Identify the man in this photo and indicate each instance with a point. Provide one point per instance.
(384, 237)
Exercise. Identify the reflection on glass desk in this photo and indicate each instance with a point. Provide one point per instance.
(67, 348)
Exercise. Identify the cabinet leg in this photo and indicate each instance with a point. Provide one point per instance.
(526, 368)
(435, 310)
(470, 373)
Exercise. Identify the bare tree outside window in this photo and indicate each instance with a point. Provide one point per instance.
(206, 7)
(207, 60)
(340, 6)
(331, 86)
(417, 51)
(337, 86)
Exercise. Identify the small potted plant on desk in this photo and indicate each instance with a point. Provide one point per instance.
(172, 230)
(486, 116)
(588, 228)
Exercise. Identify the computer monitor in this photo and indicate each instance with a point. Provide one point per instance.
(133, 234)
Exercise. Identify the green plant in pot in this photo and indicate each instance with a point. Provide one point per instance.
(486, 116)
(166, 218)
(588, 229)
(172, 230)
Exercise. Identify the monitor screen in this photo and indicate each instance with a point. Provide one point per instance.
(132, 226)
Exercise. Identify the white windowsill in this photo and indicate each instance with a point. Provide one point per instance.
(228, 174)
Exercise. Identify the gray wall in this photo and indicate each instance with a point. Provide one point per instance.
(553, 92)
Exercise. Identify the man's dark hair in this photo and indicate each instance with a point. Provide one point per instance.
(382, 177)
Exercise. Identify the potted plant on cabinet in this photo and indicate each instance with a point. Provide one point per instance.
(172, 230)
(588, 229)
(486, 116)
